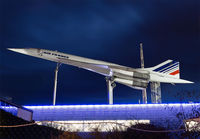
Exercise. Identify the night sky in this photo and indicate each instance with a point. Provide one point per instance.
(104, 30)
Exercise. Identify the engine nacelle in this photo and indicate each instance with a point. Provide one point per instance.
(134, 83)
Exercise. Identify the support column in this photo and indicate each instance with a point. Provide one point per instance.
(144, 91)
(55, 83)
(156, 92)
(144, 96)
(110, 86)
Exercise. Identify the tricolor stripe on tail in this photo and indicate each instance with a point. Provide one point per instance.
(168, 67)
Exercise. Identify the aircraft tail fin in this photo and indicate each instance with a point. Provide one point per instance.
(168, 67)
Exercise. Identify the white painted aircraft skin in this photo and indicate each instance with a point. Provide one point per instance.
(166, 72)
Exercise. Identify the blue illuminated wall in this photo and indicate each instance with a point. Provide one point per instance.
(160, 114)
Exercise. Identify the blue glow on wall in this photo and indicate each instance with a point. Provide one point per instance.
(160, 114)
(114, 105)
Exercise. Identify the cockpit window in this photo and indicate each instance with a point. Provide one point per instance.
(47, 53)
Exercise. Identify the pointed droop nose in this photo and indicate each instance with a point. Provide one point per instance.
(18, 50)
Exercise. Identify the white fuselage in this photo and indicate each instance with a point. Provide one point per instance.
(136, 78)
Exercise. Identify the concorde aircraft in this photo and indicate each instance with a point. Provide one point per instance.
(138, 78)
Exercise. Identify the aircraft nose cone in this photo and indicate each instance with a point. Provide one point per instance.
(18, 50)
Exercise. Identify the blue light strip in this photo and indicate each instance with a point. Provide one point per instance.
(113, 106)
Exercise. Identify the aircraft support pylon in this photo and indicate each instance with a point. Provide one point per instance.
(55, 83)
(110, 86)
(144, 91)
(155, 92)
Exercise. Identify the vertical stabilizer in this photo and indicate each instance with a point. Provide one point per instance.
(168, 67)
